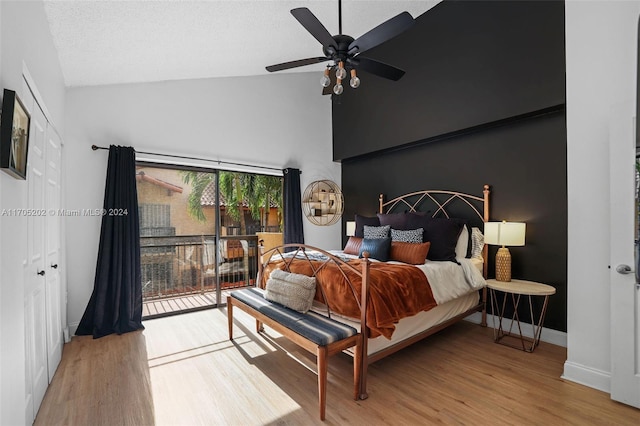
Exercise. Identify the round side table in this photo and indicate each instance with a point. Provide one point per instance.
(515, 289)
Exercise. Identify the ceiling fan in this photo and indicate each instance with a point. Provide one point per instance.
(345, 52)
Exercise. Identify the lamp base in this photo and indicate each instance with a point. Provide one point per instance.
(503, 265)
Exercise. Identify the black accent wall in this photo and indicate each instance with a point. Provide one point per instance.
(482, 102)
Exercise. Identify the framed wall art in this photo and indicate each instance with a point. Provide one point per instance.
(14, 135)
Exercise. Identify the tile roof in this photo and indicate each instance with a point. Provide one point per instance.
(142, 176)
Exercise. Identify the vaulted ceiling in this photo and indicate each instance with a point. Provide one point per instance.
(110, 42)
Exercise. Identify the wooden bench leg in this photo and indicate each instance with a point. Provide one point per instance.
(362, 367)
(259, 327)
(322, 379)
(230, 316)
(357, 369)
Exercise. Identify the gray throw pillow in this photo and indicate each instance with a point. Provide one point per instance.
(295, 291)
(477, 243)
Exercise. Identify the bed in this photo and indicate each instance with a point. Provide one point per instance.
(385, 299)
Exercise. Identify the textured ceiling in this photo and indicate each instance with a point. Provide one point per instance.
(108, 42)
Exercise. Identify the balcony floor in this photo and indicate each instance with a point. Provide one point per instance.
(163, 307)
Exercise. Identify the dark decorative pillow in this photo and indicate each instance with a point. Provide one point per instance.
(443, 235)
(361, 221)
(409, 236)
(372, 232)
(353, 246)
(414, 254)
(395, 220)
(378, 248)
(404, 221)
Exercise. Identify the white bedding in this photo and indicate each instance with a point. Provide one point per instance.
(449, 280)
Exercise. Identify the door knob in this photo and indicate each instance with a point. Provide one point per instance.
(624, 269)
(41, 273)
(54, 266)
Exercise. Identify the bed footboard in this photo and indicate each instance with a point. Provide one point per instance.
(311, 261)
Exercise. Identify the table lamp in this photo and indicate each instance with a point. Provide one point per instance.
(504, 234)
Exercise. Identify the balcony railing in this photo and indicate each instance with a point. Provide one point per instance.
(251, 229)
(181, 265)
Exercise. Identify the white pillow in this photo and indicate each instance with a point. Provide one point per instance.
(463, 243)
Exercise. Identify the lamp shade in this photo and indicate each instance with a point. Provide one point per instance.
(504, 233)
(351, 228)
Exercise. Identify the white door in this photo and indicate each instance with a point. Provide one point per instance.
(625, 312)
(55, 338)
(35, 271)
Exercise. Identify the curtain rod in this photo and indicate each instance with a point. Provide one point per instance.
(96, 147)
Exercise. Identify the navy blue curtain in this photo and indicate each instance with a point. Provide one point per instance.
(116, 302)
(292, 200)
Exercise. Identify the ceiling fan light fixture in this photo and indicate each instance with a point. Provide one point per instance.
(325, 81)
(338, 89)
(355, 81)
(341, 73)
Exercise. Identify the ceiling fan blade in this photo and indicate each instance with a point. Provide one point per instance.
(314, 26)
(376, 67)
(383, 32)
(294, 64)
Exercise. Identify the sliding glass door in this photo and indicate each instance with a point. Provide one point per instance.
(199, 233)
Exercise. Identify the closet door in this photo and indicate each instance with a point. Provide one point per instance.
(54, 296)
(35, 299)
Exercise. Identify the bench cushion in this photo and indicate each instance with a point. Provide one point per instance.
(317, 328)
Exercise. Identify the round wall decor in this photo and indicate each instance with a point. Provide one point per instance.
(322, 202)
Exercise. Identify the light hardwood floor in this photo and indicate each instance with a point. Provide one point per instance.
(183, 370)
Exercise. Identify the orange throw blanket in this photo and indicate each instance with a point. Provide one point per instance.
(395, 292)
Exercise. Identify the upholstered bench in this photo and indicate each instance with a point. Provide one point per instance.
(312, 331)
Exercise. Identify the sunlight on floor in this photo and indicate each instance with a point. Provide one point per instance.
(190, 384)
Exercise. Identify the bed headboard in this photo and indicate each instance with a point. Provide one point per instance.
(443, 203)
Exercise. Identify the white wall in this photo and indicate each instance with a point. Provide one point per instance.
(25, 41)
(601, 43)
(278, 120)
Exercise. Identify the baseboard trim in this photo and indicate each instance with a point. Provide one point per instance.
(548, 335)
(587, 376)
(73, 327)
